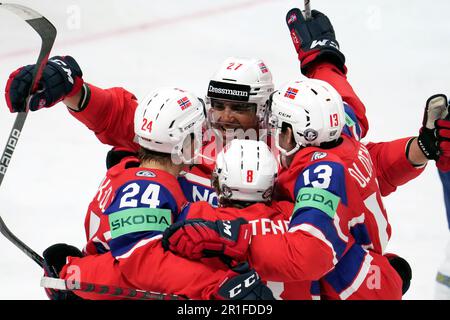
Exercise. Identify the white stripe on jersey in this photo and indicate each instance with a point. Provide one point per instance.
(196, 179)
(138, 245)
(341, 235)
(382, 224)
(94, 224)
(107, 235)
(358, 279)
(356, 220)
(316, 233)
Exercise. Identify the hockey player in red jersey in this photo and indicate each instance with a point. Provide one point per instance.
(139, 199)
(236, 100)
(330, 224)
(243, 178)
(107, 113)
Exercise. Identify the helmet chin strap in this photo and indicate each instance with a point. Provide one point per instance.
(284, 153)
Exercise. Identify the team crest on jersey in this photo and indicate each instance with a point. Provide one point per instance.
(263, 67)
(184, 103)
(318, 155)
(291, 93)
(148, 174)
(310, 134)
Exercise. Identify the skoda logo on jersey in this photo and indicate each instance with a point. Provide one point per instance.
(148, 174)
(318, 155)
(310, 134)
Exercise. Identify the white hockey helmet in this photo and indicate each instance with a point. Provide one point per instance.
(245, 171)
(165, 117)
(312, 107)
(246, 80)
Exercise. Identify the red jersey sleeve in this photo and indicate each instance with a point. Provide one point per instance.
(392, 167)
(328, 72)
(292, 256)
(110, 115)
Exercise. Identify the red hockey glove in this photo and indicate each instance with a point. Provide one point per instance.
(61, 77)
(434, 137)
(242, 283)
(198, 238)
(314, 39)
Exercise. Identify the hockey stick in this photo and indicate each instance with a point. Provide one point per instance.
(126, 293)
(47, 32)
(61, 284)
(307, 10)
(19, 244)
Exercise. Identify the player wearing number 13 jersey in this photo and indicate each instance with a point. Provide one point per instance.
(330, 179)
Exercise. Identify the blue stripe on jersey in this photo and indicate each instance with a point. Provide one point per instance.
(322, 222)
(139, 194)
(99, 248)
(360, 233)
(347, 269)
(196, 192)
(183, 214)
(325, 175)
(120, 246)
(352, 124)
(315, 288)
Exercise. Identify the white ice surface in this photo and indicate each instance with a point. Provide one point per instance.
(397, 55)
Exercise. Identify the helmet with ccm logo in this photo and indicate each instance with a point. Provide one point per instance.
(246, 80)
(245, 171)
(314, 110)
(166, 117)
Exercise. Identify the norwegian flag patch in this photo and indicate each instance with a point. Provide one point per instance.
(263, 67)
(184, 103)
(291, 93)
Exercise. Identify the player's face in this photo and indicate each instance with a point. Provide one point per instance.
(228, 115)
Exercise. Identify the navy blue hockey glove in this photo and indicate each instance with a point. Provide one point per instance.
(198, 238)
(55, 258)
(314, 39)
(434, 136)
(61, 78)
(243, 283)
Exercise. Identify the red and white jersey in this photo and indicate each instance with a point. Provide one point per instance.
(133, 204)
(369, 225)
(265, 221)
